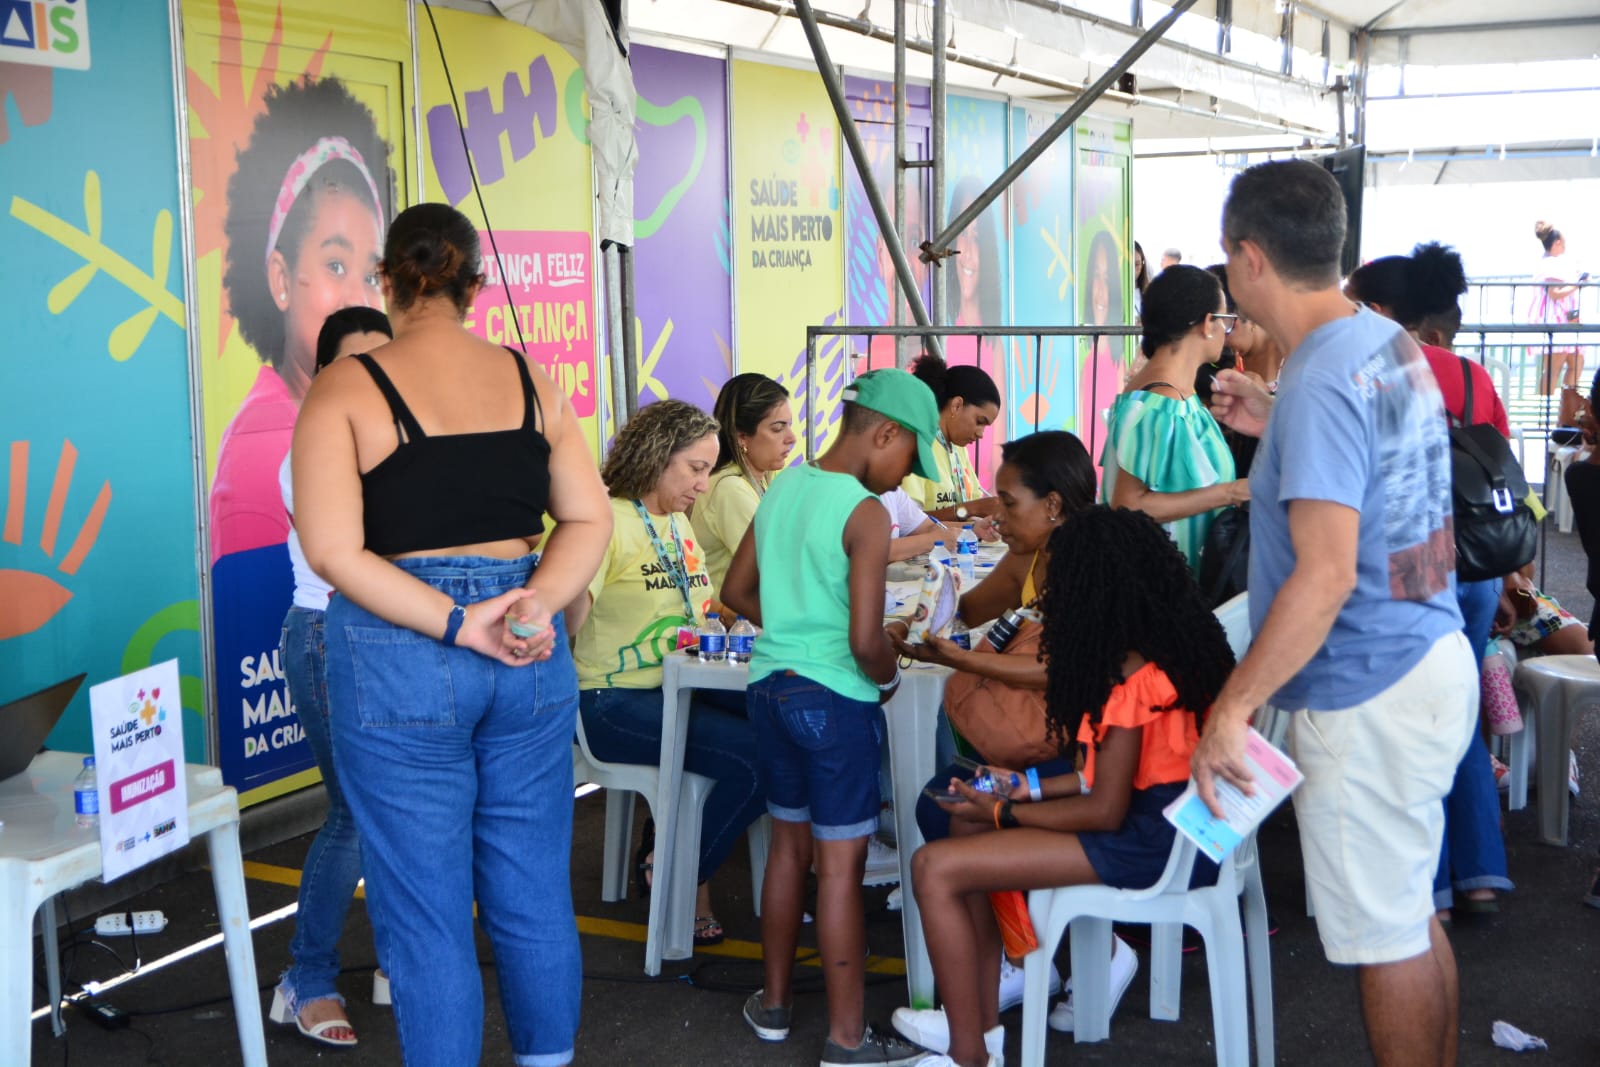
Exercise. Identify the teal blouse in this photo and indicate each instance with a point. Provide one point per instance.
(1171, 446)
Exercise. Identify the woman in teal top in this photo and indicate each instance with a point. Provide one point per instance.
(1165, 455)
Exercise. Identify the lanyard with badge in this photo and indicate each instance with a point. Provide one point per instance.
(958, 473)
(677, 569)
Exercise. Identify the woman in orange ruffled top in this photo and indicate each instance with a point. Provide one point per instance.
(1133, 658)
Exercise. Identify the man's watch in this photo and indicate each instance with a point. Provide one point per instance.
(962, 512)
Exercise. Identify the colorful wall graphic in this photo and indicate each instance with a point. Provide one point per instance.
(97, 544)
(1104, 256)
(977, 278)
(526, 119)
(1042, 378)
(788, 235)
(682, 255)
(869, 272)
(297, 118)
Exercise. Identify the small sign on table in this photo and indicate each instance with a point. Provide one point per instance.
(138, 756)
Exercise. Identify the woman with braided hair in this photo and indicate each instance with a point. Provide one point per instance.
(1134, 658)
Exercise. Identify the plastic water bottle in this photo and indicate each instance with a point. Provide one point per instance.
(713, 640)
(959, 634)
(939, 555)
(967, 553)
(741, 640)
(86, 795)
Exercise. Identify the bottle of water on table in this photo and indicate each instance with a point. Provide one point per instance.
(959, 634)
(713, 640)
(939, 555)
(967, 553)
(741, 640)
(86, 795)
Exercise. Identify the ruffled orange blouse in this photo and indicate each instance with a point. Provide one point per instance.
(1169, 738)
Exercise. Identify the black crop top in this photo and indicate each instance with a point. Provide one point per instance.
(456, 489)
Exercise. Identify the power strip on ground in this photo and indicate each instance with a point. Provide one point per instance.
(116, 924)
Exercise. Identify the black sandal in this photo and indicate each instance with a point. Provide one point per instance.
(708, 931)
(643, 868)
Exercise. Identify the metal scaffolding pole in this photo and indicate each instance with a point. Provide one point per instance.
(901, 354)
(937, 248)
(941, 44)
(858, 152)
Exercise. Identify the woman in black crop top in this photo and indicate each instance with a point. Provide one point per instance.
(422, 473)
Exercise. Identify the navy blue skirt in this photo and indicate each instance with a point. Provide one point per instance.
(1134, 856)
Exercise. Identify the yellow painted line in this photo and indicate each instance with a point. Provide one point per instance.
(616, 929)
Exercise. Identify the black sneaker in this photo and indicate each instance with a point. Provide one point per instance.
(770, 1024)
(879, 1050)
(1593, 899)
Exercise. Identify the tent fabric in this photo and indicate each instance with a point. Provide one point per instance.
(584, 30)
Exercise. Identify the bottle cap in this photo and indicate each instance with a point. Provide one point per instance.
(88, 761)
(938, 544)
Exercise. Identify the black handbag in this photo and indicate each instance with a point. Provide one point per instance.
(1225, 557)
(1496, 532)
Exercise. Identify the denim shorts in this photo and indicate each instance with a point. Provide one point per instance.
(819, 754)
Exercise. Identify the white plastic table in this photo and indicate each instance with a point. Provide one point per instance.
(912, 717)
(44, 852)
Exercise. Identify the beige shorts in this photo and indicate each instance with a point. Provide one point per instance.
(1370, 812)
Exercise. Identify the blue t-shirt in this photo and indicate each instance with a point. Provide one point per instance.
(1359, 422)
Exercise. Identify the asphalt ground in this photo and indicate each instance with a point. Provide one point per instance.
(1536, 964)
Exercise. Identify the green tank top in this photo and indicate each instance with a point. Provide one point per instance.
(805, 581)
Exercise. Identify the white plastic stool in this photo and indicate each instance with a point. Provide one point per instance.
(1552, 692)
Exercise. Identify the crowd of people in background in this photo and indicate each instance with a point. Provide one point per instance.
(446, 645)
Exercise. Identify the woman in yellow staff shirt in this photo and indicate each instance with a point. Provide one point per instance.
(969, 403)
(648, 598)
(754, 440)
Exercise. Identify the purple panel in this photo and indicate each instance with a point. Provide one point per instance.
(681, 281)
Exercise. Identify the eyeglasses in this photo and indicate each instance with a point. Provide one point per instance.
(1229, 322)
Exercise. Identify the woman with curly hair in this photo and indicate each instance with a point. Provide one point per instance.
(649, 597)
(423, 472)
(306, 210)
(1134, 659)
(755, 434)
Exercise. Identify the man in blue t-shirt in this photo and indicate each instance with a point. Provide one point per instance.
(1352, 603)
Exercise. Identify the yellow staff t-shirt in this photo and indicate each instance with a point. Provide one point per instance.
(721, 518)
(957, 484)
(637, 609)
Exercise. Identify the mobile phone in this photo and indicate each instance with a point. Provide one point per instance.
(941, 797)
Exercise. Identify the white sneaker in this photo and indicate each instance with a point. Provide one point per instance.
(939, 1059)
(931, 1029)
(896, 899)
(1124, 965)
(1011, 984)
(883, 864)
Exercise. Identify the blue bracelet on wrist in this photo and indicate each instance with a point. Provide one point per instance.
(452, 625)
(1034, 792)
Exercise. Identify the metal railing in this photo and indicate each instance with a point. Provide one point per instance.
(1023, 343)
(1508, 298)
(1529, 365)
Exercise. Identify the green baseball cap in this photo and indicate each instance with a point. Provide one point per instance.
(906, 399)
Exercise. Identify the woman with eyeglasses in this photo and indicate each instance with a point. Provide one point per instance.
(1164, 454)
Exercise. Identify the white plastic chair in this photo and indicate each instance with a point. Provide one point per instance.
(620, 781)
(1213, 911)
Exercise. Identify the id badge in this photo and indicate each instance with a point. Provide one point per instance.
(687, 636)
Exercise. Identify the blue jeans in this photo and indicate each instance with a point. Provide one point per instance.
(820, 755)
(1473, 855)
(459, 771)
(333, 863)
(624, 726)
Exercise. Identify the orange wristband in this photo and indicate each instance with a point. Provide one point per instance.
(997, 816)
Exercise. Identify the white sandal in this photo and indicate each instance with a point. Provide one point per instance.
(281, 1015)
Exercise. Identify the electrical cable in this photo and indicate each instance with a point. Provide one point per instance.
(472, 172)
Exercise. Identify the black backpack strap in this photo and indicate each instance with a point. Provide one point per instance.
(1466, 390)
